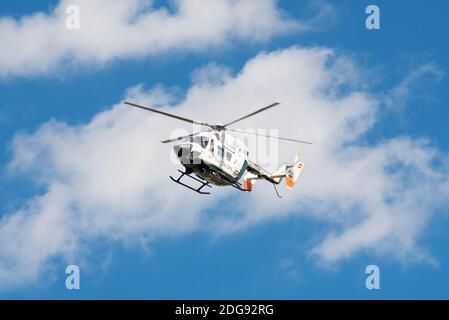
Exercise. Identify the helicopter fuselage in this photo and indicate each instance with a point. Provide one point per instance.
(217, 157)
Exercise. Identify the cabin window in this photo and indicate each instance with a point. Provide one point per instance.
(228, 155)
(212, 146)
(204, 141)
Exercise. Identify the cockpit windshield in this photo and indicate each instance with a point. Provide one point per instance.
(202, 141)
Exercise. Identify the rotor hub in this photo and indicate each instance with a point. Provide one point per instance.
(218, 127)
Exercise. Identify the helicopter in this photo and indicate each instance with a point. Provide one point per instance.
(217, 157)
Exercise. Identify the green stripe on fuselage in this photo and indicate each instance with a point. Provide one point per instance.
(224, 174)
(242, 171)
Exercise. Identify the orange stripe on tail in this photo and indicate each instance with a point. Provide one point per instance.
(247, 185)
(289, 182)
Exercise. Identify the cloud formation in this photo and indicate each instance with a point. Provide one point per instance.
(107, 179)
(114, 29)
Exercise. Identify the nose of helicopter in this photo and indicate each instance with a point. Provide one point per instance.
(186, 152)
(182, 150)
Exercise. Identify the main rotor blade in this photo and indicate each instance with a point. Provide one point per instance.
(252, 114)
(180, 138)
(267, 136)
(167, 114)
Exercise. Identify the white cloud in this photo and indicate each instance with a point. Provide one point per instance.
(107, 179)
(117, 29)
(211, 74)
(398, 97)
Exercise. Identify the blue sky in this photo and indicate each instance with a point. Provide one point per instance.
(271, 259)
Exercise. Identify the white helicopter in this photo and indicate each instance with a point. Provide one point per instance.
(219, 158)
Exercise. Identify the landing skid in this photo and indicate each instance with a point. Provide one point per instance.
(232, 184)
(203, 183)
(238, 186)
(277, 193)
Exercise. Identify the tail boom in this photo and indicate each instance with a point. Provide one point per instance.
(290, 172)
